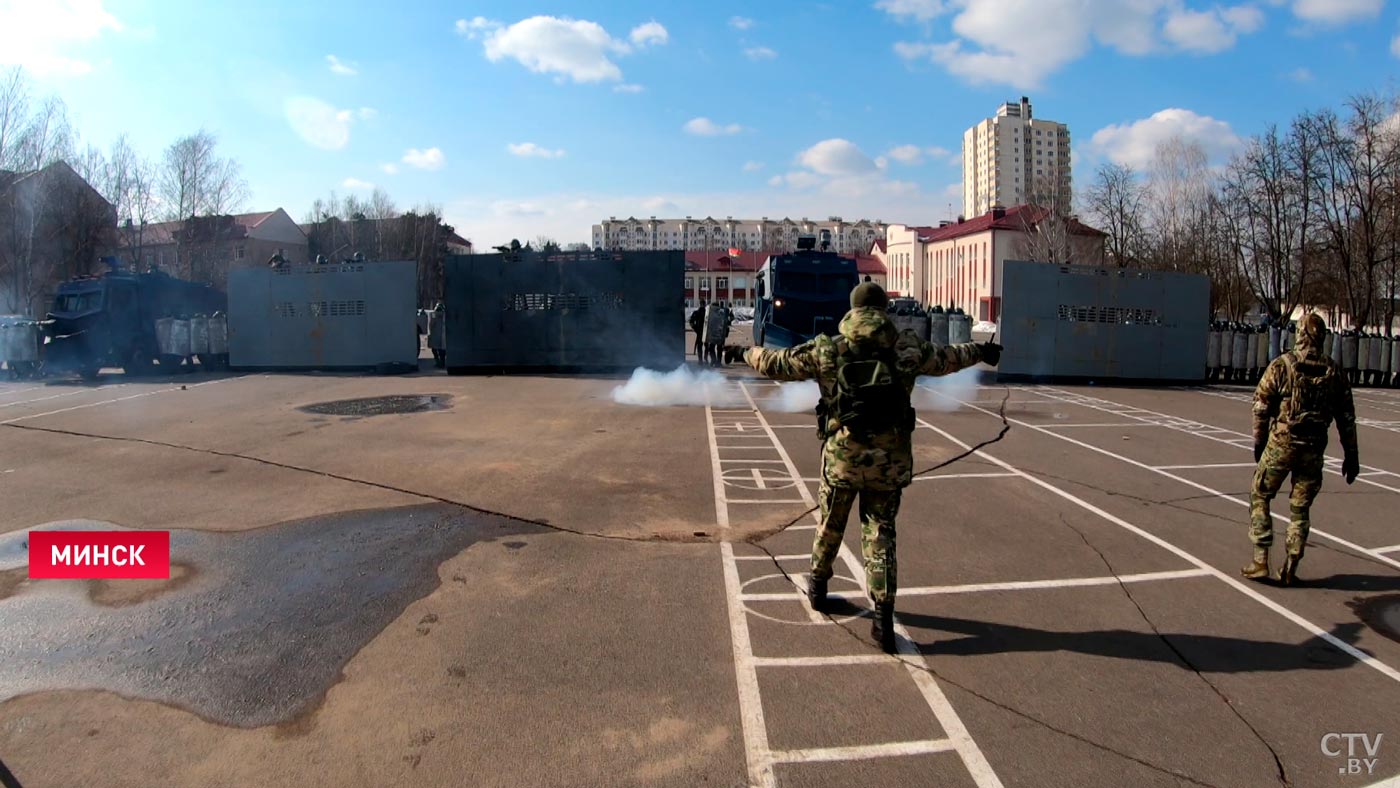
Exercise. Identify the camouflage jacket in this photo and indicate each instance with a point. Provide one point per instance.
(885, 461)
(1288, 425)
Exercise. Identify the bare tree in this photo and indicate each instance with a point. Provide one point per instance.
(194, 181)
(1115, 204)
(1178, 188)
(1355, 157)
(1046, 225)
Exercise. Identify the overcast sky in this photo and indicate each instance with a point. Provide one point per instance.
(523, 119)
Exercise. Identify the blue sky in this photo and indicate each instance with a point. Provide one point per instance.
(521, 119)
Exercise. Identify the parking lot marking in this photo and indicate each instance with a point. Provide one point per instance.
(818, 662)
(863, 751)
(1318, 632)
(1203, 467)
(1101, 424)
(1392, 549)
(760, 758)
(59, 396)
(1017, 585)
(1236, 439)
(121, 399)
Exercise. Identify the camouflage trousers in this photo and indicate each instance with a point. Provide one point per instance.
(1278, 462)
(877, 512)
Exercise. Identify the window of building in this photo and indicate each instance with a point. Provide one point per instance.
(688, 283)
(239, 252)
(722, 283)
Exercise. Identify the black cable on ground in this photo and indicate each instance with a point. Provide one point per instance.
(7, 778)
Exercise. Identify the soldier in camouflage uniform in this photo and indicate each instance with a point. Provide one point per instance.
(874, 465)
(1300, 395)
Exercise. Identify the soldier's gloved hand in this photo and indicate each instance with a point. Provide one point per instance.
(1258, 451)
(991, 352)
(1351, 467)
(751, 355)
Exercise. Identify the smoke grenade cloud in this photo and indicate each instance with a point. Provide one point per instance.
(944, 393)
(795, 397)
(680, 386)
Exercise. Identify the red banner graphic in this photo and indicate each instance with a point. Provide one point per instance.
(99, 555)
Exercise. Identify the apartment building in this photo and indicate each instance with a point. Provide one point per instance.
(772, 235)
(1013, 158)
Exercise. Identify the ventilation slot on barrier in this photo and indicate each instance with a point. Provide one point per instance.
(1108, 314)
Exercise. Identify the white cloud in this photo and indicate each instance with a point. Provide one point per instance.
(753, 166)
(704, 127)
(648, 34)
(368, 113)
(1301, 75)
(1135, 143)
(337, 66)
(1395, 46)
(760, 53)
(476, 27)
(527, 150)
(1336, 12)
(357, 184)
(390, 168)
(573, 49)
(628, 88)
(35, 34)
(921, 10)
(836, 157)
(317, 122)
(430, 159)
(907, 154)
(740, 22)
(1211, 31)
(991, 46)
(660, 205)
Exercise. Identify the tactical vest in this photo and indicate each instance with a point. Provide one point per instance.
(867, 398)
(1307, 401)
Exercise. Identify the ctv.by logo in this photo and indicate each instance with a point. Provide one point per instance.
(1353, 745)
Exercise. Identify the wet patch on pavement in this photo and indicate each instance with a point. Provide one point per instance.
(253, 628)
(380, 406)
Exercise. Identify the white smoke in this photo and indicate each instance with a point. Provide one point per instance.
(945, 393)
(680, 386)
(795, 397)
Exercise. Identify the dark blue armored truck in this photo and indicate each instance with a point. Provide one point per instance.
(802, 294)
(110, 320)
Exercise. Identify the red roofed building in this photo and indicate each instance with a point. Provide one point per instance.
(959, 263)
(206, 247)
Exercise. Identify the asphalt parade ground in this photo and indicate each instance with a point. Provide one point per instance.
(515, 581)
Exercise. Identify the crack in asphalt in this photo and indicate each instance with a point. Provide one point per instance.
(1186, 661)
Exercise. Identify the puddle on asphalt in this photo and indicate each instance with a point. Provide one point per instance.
(1381, 613)
(252, 629)
(380, 406)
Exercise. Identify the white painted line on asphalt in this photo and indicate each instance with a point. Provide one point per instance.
(759, 501)
(765, 557)
(1389, 782)
(863, 751)
(750, 701)
(59, 396)
(817, 662)
(1115, 425)
(1238, 585)
(1392, 549)
(1016, 585)
(1238, 439)
(988, 475)
(1203, 467)
(122, 399)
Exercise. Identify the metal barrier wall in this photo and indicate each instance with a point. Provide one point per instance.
(336, 316)
(615, 310)
(1069, 321)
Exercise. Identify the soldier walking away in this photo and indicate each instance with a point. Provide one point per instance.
(1300, 395)
(865, 421)
(437, 335)
(697, 324)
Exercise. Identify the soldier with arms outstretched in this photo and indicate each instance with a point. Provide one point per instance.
(866, 423)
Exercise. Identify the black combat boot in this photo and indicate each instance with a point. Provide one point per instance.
(1260, 567)
(882, 628)
(816, 593)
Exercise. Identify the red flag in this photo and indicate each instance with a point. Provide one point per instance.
(734, 252)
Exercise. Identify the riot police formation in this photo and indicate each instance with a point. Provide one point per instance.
(1238, 352)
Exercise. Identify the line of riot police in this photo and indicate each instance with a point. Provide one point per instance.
(1240, 352)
